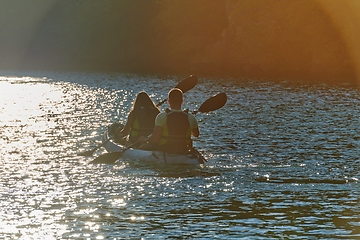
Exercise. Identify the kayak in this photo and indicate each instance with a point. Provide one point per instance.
(116, 149)
(193, 157)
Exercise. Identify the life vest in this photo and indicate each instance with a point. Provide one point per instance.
(176, 133)
(144, 123)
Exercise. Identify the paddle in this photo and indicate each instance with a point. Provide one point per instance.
(113, 156)
(213, 103)
(185, 85)
(91, 152)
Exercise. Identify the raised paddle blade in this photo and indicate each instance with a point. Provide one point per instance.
(215, 102)
(188, 83)
(185, 85)
(108, 157)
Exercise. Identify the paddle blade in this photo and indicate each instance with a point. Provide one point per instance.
(215, 102)
(86, 154)
(108, 157)
(188, 83)
(185, 85)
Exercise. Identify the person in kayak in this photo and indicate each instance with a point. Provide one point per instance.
(141, 119)
(173, 128)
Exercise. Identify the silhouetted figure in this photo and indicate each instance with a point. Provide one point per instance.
(173, 128)
(141, 119)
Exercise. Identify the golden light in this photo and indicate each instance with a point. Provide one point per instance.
(345, 15)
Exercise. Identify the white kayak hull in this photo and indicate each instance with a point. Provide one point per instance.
(153, 157)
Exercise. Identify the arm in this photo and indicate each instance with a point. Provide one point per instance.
(129, 122)
(194, 126)
(152, 140)
(195, 132)
(155, 136)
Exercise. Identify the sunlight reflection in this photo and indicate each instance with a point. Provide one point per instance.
(7, 228)
(84, 211)
(137, 218)
(44, 196)
(30, 101)
(92, 226)
(120, 202)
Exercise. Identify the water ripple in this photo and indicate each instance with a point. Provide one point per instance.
(283, 161)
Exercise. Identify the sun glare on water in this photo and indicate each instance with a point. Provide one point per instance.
(22, 102)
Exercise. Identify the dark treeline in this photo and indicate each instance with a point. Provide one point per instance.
(279, 38)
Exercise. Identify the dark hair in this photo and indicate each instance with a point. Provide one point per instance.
(143, 100)
(175, 96)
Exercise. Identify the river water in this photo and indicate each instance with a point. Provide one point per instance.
(283, 161)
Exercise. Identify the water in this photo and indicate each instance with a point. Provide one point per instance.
(283, 161)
